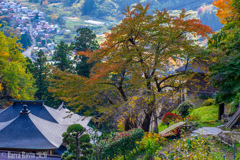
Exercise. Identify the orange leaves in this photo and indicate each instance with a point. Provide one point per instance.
(226, 11)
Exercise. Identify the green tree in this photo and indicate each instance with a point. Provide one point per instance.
(36, 16)
(61, 55)
(142, 47)
(86, 40)
(25, 40)
(16, 82)
(79, 143)
(41, 72)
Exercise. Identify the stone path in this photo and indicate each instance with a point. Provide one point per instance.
(207, 131)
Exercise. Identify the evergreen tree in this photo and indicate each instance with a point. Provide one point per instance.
(36, 16)
(61, 55)
(79, 146)
(34, 68)
(41, 72)
(86, 40)
(25, 40)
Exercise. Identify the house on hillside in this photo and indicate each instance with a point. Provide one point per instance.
(199, 84)
(51, 46)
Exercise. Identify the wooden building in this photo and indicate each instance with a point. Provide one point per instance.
(199, 84)
(31, 126)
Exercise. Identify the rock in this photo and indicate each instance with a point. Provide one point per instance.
(208, 131)
(225, 139)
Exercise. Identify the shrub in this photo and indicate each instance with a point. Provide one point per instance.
(235, 103)
(78, 143)
(208, 102)
(183, 108)
(204, 96)
(170, 117)
(206, 113)
(193, 148)
(217, 97)
(122, 143)
(150, 144)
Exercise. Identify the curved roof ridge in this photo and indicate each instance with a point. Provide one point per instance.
(38, 109)
(4, 124)
(22, 133)
(50, 130)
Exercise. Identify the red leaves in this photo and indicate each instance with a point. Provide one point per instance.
(170, 117)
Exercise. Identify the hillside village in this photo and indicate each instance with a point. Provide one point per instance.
(34, 24)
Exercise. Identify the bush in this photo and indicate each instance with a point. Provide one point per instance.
(170, 117)
(151, 143)
(193, 148)
(206, 114)
(208, 102)
(122, 143)
(183, 108)
(204, 96)
(217, 97)
(235, 103)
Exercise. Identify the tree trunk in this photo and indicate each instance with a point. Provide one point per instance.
(129, 125)
(155, 121)
(77, 150)
(147, 121)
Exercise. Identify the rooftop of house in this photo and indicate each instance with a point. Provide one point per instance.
(31, 125)
(198, 67)
(28, 131)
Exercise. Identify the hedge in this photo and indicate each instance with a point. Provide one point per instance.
(122, 143)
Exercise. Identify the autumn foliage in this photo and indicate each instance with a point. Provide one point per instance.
(170, 117)
(226, 12)
(138, 54)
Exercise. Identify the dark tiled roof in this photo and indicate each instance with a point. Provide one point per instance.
(194, 67)
(37, 109)
(42, 128)
(30, 132)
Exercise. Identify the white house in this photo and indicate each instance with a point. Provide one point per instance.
(51, 46)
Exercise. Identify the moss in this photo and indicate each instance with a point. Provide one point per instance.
(208, 102)
(206, 113)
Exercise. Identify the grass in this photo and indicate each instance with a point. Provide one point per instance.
(162, 126)
(205, 113)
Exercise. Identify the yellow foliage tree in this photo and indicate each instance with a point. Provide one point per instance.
(15, 81)
(226, 12)
(54, 17)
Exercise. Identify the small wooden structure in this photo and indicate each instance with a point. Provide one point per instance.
(168, 131)
(199, 84)
(234, 120)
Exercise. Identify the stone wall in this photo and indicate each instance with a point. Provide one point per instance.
(235, 136)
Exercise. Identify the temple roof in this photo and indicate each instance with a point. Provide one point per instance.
(198, 67)
(28, 131)
(37, 108)
(31, 125)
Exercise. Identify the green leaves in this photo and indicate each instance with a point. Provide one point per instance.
(16, 82)
(75, 128)
(78, 143)
(122, 143)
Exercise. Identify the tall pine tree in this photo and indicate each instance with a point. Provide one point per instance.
(41, 72)
(61, 55)
(86, 40)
